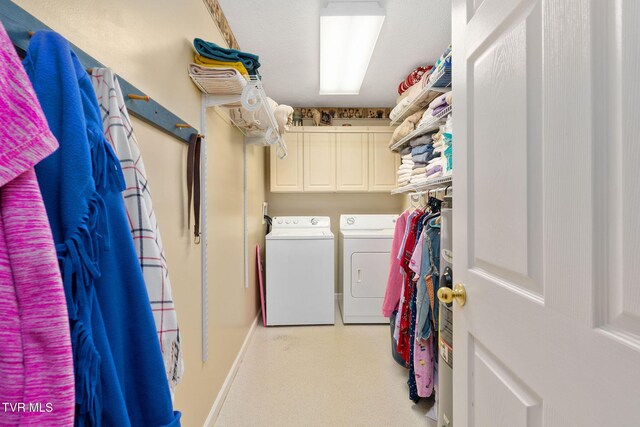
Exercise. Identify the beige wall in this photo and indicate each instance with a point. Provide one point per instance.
(149, 44)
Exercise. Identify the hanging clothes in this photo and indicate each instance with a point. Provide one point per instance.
(404, 341)
(414, 277)
(395, 278)
(423, 354)
(117, 384)
(36, 365)
(143, 225)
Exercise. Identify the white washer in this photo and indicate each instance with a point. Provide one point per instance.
(300, 271)
(365, 250)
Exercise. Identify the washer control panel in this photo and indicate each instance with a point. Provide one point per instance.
(301, 222)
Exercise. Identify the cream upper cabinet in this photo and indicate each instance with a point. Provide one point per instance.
(286, 174)
(319, 162)
(352, 151)
(336, 159)
(383, 163)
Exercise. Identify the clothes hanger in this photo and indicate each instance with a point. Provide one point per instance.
(413, 202)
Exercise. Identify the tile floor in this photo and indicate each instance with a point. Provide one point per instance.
(321, 376)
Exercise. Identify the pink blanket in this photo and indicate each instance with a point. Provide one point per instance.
(36, 367)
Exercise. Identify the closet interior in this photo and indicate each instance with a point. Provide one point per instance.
(299, 159)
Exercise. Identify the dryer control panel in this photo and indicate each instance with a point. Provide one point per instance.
(367, 222)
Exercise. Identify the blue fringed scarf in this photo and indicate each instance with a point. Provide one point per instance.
(120, 379)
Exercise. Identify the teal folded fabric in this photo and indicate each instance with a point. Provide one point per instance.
(213, 51)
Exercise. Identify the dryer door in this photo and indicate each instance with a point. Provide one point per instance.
(369, 271)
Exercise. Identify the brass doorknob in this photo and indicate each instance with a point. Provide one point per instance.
(447, 295)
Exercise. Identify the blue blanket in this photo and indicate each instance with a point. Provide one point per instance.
(120, 377)
(213, 51)
(421, 149)
(422, 140)
(425, 157)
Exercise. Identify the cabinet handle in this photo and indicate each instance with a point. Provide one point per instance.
(359, 275)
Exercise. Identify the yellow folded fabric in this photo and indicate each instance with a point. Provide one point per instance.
(214, 63)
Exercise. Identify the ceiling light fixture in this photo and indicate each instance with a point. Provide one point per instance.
(348, 34)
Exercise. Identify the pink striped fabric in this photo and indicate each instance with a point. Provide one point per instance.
(36, 366)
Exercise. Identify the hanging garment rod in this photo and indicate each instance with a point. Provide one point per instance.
(447, 192)
(20, 25)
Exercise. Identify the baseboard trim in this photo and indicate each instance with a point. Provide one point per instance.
(226, 386)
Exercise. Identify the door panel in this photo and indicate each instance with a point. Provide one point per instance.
(369, 274)
(352, 161)
(507, 217)
(618, 307)
(383, 163)
(286, 174)
(546, 234)
(319, 162)
(510, 402)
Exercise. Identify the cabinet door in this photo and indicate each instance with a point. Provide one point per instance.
(352, 161)
(286, 174)
(319, 162)
(383, 163)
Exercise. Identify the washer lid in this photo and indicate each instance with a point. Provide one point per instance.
(300, 234)
(386, 233)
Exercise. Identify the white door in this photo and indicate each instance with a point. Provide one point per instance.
(547, 212)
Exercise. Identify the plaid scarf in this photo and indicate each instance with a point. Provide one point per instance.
(142, 219)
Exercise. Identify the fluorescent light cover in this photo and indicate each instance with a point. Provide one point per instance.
(348, 34)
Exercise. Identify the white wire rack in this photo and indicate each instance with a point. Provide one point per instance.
(433, 123)
(243, 98)
(440, 82)
(424, 186)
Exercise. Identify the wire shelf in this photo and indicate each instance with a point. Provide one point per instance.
(432, 124)
(425, 186)
(441, 83)
(243, 96)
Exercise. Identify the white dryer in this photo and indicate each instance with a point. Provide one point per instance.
(300, 272)
(365, 250)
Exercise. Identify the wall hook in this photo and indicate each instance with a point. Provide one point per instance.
(139, 97)
(183, 126)
(31, 33)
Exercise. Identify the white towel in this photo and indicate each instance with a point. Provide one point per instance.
(218, 81)
(284, 117)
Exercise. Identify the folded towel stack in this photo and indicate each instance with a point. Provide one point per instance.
(219, 80)
(442, 62)
(227, 72)
(422, 159)
(211, 50)
(405, 171)
(414, 77)
(435, 109)
(222, 71)
(414, 92)
(407, 126)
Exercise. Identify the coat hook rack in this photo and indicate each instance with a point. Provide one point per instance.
(21, 26)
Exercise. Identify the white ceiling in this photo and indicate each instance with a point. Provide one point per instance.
(285, 33)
